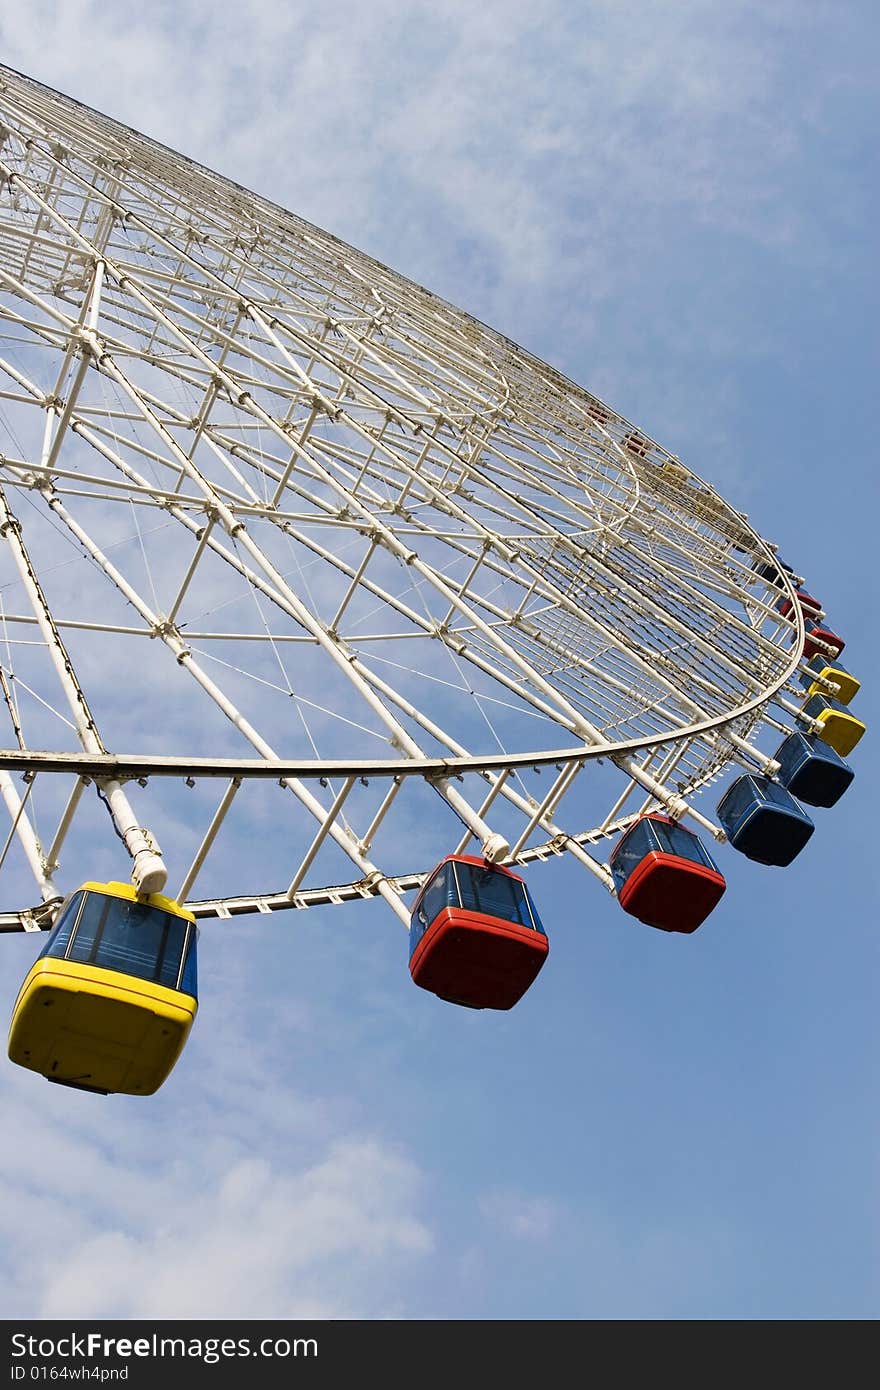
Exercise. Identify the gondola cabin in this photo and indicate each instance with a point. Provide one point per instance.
(809, 606)
(763, 821)
(840, 728)
(664, 875)
(676, 470)
(110, 1001)
(820, 666)
(636, 443)
(811, 770)
(773, 573)
(815, 633)
(475, 936)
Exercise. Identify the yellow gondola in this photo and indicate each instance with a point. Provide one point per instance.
(848, 684)
(109, 1003)
(839, 727)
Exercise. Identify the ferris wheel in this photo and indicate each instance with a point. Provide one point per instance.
(313, 588)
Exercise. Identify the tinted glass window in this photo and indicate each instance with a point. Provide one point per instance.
(738, 798)
(440, 892)
(778, 795)
(131, 937)
(817, 703)
(638, 841)
(189, 984)
(495, 894)
(791, 753)
(60, 933)
(685, 844)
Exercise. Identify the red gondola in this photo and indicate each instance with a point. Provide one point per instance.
(636, 444)
(823, 634)
(809, 606)
(664, 874)
(475, 935)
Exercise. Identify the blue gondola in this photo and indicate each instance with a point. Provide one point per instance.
(773, 573)
(830, 669)
(811, 770)
(109, 1002)
(475, 934)
(763, 821)
(664, 874)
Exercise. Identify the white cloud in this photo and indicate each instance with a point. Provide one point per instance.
(94, 1225)
(527, 131)
(551, 169)
(258, 1242)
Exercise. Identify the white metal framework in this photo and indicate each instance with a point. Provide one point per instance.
(280, 523)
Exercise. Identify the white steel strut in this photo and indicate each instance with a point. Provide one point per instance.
(270, 479)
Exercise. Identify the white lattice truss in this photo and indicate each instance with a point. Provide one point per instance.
(292, 519)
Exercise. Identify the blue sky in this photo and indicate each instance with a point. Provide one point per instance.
(673, 203)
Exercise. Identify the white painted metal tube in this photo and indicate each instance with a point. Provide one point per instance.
(208, 839)
(67, 815)
(27, 836)
(148, 869)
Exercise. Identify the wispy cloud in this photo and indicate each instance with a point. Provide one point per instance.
(548, 141)
(522, 1214)
(95, 1225)
(561, 172)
